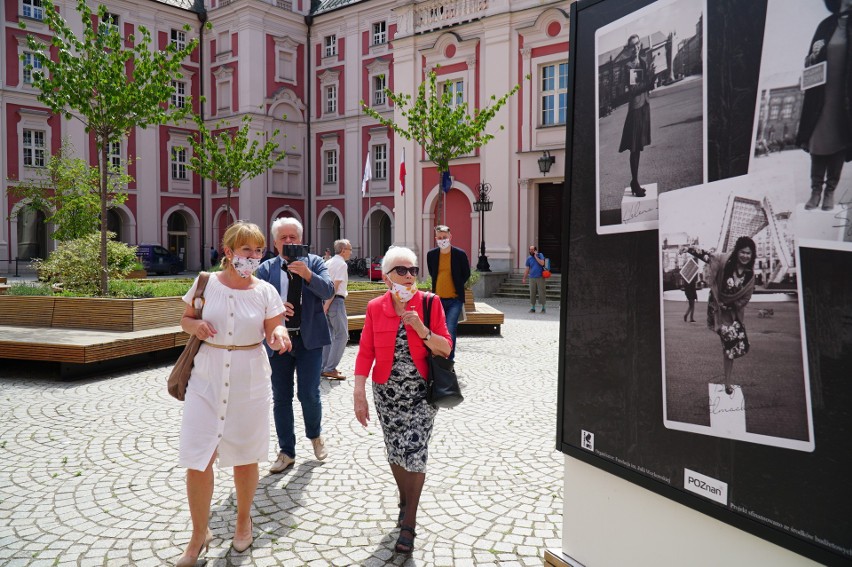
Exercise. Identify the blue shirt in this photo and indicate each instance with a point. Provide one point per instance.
(534, 266)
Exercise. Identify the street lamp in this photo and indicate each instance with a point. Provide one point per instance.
(545, 161)
(482, 205)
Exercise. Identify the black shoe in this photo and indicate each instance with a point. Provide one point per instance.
(405, 544)
(729, 390)
(636, 189)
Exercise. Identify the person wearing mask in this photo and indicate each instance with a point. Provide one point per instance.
(226, 409)
(393, 346)
(303, 282)
(535, 269)
(449, 269)
(335, 310)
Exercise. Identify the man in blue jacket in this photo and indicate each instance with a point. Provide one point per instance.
(304, 284)
(449, 269)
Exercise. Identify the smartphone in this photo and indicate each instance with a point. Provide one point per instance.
(295, 251)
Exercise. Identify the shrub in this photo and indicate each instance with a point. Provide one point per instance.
(76, 263)
(26, 288)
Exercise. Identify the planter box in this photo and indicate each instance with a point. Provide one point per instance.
(91, 313)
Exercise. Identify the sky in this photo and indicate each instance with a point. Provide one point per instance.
(663, 16)
(792, 24)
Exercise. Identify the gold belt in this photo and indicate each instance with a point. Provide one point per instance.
(233, 347)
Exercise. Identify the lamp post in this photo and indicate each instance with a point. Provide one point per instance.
(545, 161)
(482, 205)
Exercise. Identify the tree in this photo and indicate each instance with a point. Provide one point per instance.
(444, 130)
(67, 190)
(108, 82)
(231, 157)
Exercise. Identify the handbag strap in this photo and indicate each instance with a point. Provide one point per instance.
(203, 277)
(427, 316)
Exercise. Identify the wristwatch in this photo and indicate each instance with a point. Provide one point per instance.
(428, 336)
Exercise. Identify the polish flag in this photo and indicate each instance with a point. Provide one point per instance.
(402, 173)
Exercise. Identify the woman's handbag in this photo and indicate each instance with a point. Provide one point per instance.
(179, 377)
(442, 384)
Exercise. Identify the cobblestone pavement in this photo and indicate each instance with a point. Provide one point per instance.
(88, 471)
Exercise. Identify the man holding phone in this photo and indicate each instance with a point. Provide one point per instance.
(304, 284)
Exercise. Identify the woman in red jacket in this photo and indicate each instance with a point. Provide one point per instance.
(393, 344)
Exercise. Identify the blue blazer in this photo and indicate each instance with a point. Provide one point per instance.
(314, 329)
(459, 266)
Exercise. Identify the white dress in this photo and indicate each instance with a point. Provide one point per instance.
(228, 396)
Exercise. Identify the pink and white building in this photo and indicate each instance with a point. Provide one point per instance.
(303, 68)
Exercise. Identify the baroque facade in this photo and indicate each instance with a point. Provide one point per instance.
(303, 68)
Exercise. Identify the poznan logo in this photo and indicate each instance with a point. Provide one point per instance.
(706, 486)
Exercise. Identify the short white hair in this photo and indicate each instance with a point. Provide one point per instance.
(397, 254)
(285, 221)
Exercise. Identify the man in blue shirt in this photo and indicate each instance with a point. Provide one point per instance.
(304, 284)
(535, 267)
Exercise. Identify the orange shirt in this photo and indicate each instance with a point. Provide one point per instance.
(444, 287)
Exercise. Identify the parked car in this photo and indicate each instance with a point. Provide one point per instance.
(376, 269)
(159, 260)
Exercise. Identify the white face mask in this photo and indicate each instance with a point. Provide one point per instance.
(403, 292)
(443, 243)
(245, 266)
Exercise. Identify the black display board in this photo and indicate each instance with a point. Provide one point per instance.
(643, 392)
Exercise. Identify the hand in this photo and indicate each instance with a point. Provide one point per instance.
(299, 267)
(412, 319)
(362, 410)
(288, 310)
(280, 337)
(817, 47)
(204, 330)
(523, 280)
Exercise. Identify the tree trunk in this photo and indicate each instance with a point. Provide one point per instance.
(104, 269)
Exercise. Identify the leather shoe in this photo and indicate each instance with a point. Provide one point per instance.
(241, 545)
(334, 375)
(282, 463)
(319, 448)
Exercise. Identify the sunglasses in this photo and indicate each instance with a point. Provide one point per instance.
(402, 270)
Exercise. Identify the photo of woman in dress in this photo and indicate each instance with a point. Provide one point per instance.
(731, 288)
(825, 129)
(636, 133)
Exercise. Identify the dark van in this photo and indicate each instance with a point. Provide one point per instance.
(159, 260)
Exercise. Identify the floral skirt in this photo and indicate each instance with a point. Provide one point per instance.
(734, 340)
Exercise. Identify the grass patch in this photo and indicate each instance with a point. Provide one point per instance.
(29, 288)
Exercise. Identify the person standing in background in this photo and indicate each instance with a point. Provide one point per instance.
(535, 269)
(449, 269)
(335, 310)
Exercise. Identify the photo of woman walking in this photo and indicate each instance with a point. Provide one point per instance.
(636, 133)
(731, 288)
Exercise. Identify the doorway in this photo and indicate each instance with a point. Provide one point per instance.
(550, 196)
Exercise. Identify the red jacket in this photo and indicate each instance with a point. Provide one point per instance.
(378, 338)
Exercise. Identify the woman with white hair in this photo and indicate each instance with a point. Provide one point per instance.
(393, 345)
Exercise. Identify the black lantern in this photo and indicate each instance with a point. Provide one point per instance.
(545, 161)
(482, 205)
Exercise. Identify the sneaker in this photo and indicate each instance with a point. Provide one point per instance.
(542, 310)
(319, 448)
(282, 463)
(532, 309)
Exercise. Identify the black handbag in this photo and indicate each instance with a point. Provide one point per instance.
(442, 384)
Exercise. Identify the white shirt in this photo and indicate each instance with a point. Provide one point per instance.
(228, 395)
(338, 270)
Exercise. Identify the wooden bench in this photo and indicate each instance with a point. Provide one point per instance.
(477, 315)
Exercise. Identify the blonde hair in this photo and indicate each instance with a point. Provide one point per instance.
(239, 233)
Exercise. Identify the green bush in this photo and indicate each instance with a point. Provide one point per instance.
(139, 289)
(34, 288)
(76, 263)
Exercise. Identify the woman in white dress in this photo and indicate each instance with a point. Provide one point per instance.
(226, 412)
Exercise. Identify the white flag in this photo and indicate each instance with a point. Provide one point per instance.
(368, 174)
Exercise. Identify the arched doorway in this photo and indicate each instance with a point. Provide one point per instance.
(178, 235)
(328, 231)
(114, 224)
(32, 234)
(379, 230)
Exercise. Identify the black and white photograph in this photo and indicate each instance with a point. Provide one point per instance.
(803, 126)
(734, 365)
(650, 92)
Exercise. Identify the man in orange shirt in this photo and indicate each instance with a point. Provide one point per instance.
(449, 269)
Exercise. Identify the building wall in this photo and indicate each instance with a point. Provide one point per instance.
(256, 61)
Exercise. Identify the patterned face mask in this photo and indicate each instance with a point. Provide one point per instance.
(403, 292)
(245, 266)
(443, 243)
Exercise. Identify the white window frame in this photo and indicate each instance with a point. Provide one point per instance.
(379, 137)
(111, 20)
(178, 161)
(34, 148)
(330, 165)
(35, 9)
(179, 94)
(224, 94)
(115, 154)
(380, 161)
(553, 94)
(380, 83)
(375, 68)
(379, 33)
(331, 99)
(330, 43)
(32, 119)
(330, 144)
(452, 85)
(285, 60)
(178, 38)
(30, 58)
(329, 78)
